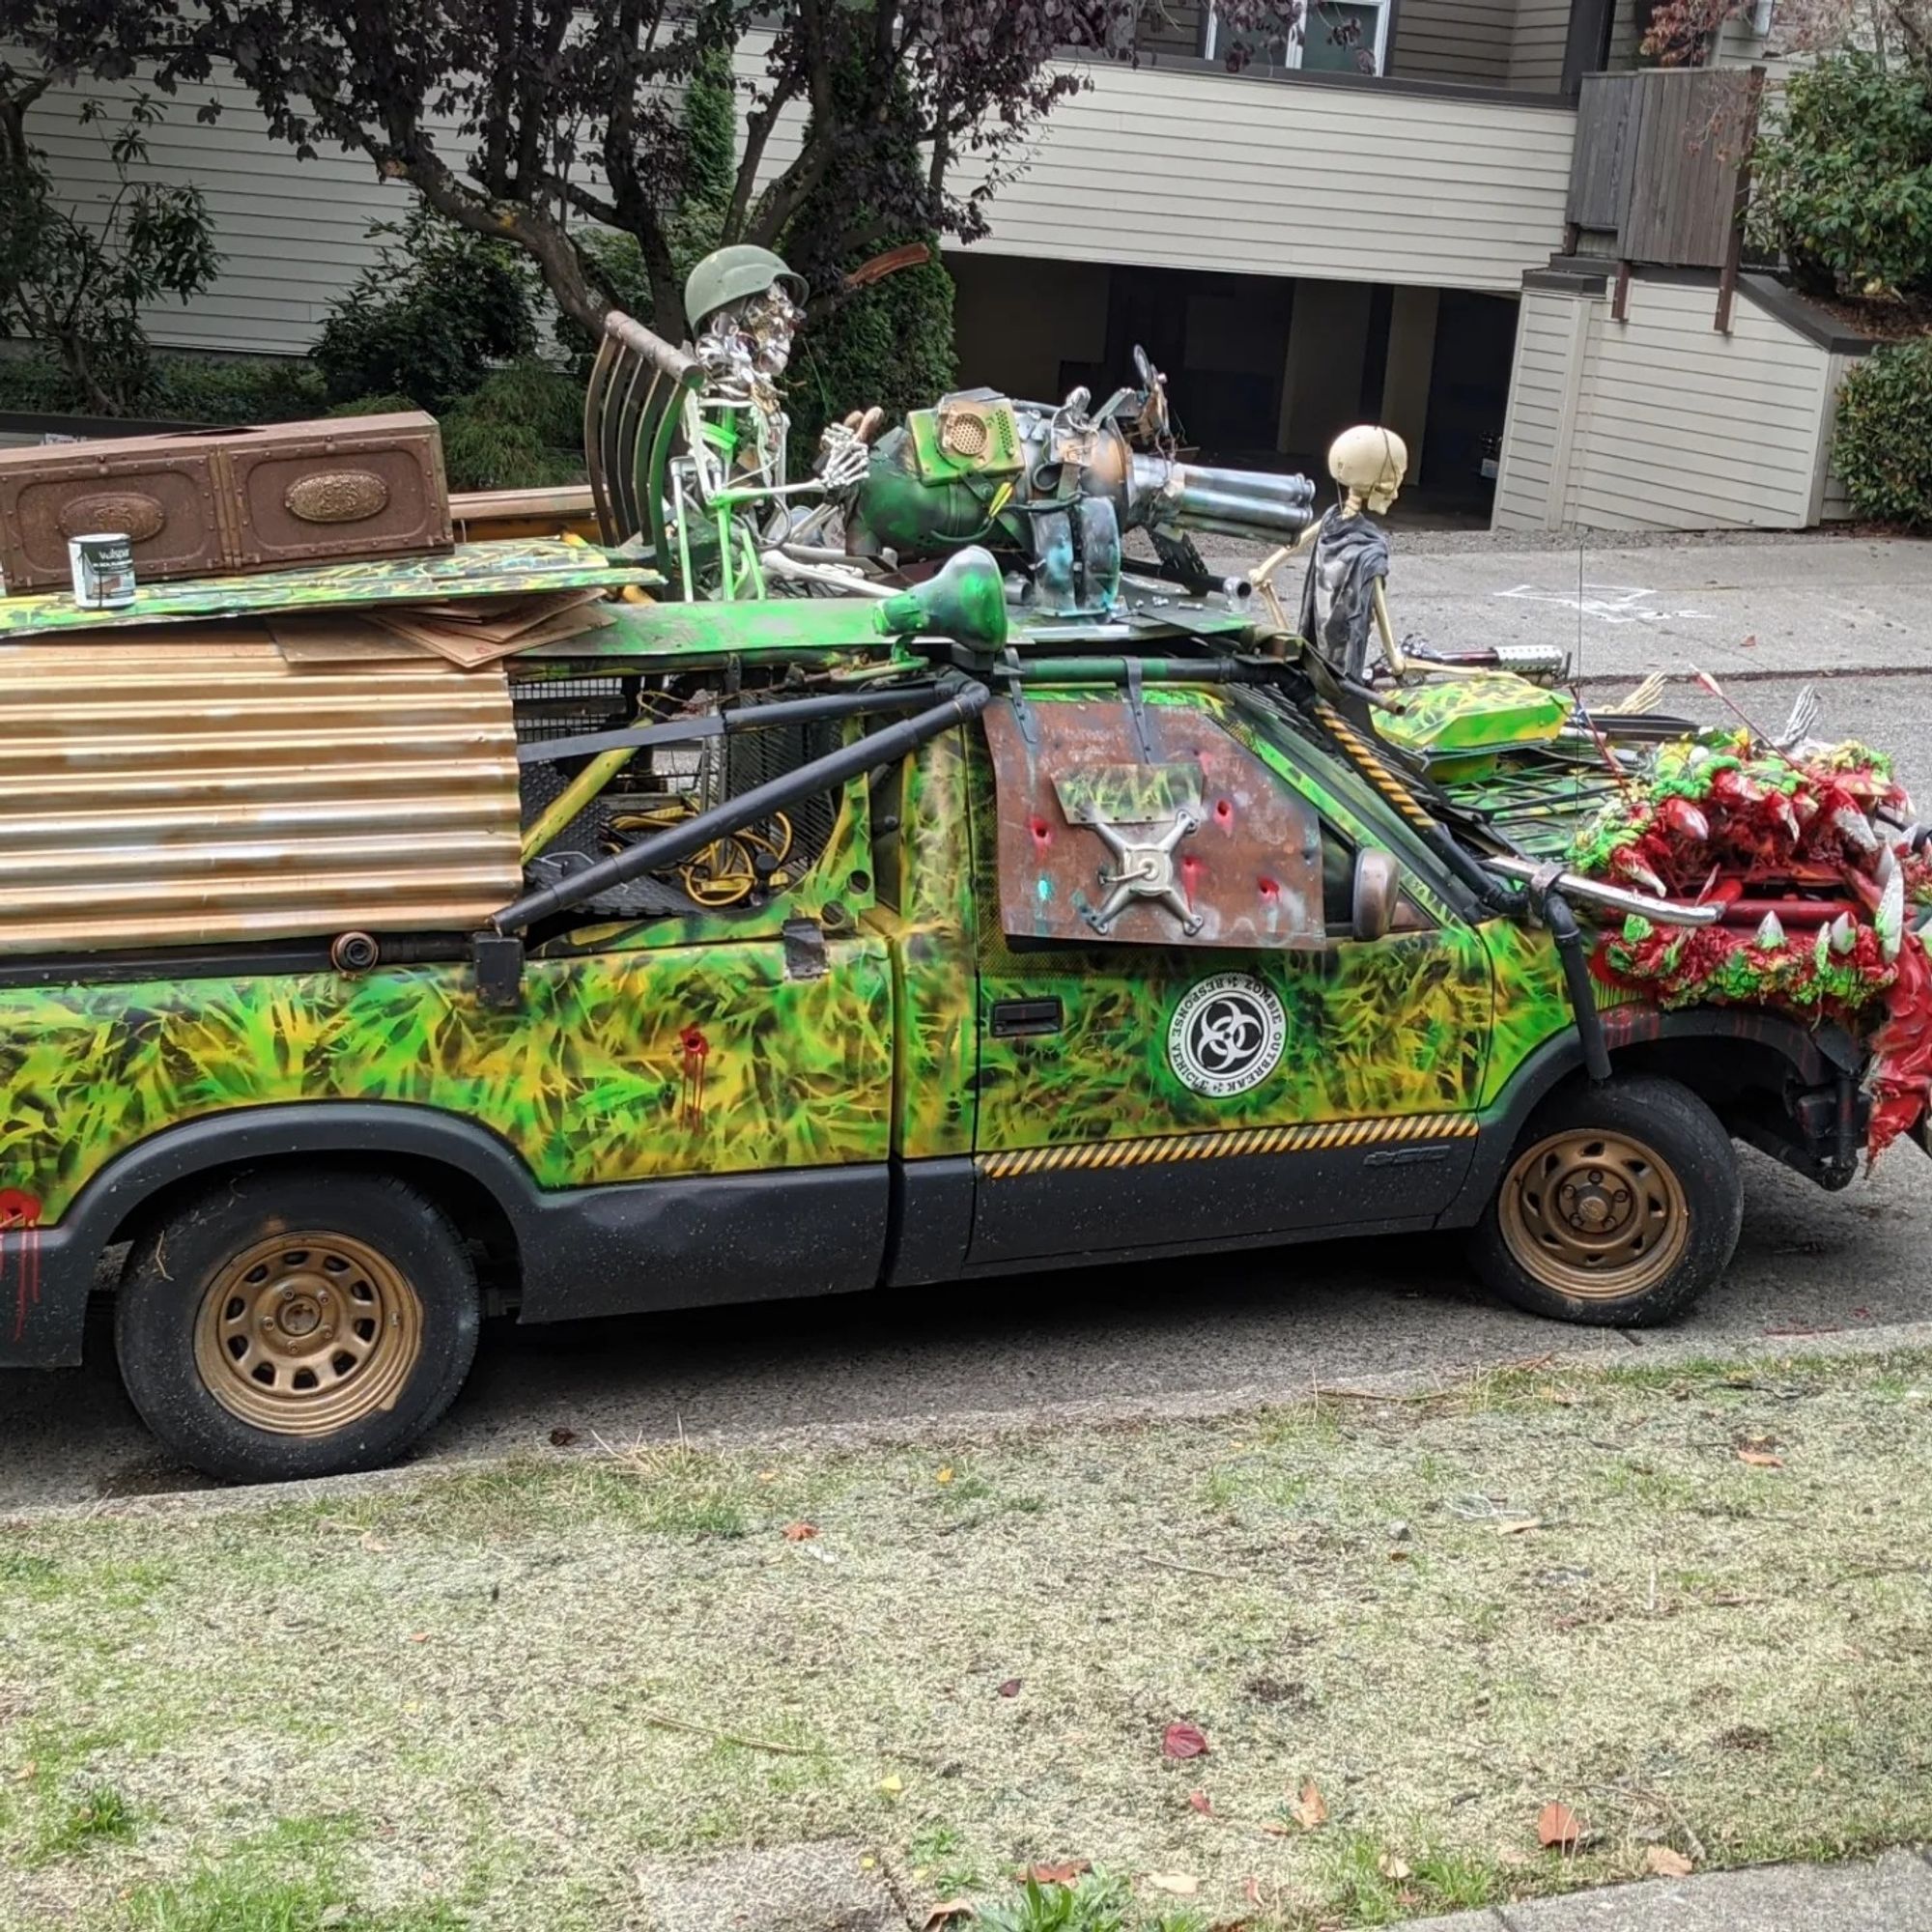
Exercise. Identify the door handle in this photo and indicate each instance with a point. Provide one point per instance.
(1021, 1019)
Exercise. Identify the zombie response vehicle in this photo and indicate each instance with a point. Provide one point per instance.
(526, 926)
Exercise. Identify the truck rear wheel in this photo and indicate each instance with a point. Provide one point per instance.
(291, 1325)
(1620, 1207)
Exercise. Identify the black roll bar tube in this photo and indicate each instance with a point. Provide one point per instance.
(693, 834)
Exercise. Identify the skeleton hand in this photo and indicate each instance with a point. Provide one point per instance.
(843, 456)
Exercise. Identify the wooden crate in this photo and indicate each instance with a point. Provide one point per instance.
(206, 504)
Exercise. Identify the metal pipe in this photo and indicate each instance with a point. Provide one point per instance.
(693, 834)
(573, 798)
(1568, 938)
(781, 563)
(1665, 912)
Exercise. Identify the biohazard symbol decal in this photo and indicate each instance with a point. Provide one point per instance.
(1225, 1034)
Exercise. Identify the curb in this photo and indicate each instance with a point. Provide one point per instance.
(1602, 1350)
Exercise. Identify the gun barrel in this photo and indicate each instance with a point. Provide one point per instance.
(1224, 503)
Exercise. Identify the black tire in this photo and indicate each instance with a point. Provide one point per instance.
(1620, 1206)
(375, 1271)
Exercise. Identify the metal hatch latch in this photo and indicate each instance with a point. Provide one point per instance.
(1144, 871)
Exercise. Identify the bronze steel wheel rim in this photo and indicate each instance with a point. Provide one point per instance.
(1594, 1215)
(303, 1334)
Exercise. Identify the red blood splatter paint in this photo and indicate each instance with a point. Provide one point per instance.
(20, 1217)
(695, 1050)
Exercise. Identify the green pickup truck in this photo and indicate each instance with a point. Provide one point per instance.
(850, 964)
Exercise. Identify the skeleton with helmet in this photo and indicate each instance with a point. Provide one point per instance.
(745, 306)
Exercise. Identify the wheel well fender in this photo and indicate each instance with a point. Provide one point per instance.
(1725, 1055)
(477, 1178)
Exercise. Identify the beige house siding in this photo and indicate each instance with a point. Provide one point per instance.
(1537, 45)
(1465, 40)
(1542, 408)
(1658, 422)
(293, 236)
(1167, 166)
(1190, 170)
(1834, 506)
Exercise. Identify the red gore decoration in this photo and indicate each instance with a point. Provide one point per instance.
(1823, 877)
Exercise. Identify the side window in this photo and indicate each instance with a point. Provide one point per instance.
(1150, 824)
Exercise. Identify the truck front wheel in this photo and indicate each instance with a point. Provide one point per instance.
(290, 1326)
(1620, 1207)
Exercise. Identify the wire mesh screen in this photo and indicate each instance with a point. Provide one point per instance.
(664, 779)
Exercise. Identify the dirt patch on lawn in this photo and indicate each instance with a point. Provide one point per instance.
(1694, 1605)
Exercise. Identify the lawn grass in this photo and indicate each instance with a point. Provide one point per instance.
(489, 1700)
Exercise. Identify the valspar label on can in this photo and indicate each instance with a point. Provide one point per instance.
(103, 570)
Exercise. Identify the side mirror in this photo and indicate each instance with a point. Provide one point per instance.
(1377, 894)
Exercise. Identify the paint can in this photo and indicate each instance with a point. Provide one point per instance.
(103, 570)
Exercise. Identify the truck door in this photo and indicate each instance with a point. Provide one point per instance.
(1180, 1042)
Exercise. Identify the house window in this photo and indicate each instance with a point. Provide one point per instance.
(1332, 37)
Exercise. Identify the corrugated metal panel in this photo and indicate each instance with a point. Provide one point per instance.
(201, 790)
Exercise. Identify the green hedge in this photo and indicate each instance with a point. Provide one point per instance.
(180, 388)
(522, 427)
(1884, 448)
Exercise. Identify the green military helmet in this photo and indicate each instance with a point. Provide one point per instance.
(730, 275)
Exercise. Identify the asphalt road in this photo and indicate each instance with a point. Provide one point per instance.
(1215, 1333)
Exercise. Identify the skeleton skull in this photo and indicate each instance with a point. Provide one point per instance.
(1369, 463)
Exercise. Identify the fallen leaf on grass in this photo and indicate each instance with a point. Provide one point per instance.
(942, 1475)
(1181, 1885)
(1310, 1809)
(1518, 1527)
(892, 1785)
(800, 1532)
(419, 1637)
(1558, 1828)
(562, 1438)
(1060, 1874)
(945, 1912)
(1514, 1858)
(1662, 1861)
(1760, 1458)
(375, 1544)
(1391, 1867)
(1183, 1740)
(1201, 1803)
(1011, 1688)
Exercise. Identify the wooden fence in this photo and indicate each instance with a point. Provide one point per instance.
(1660, 160)
(1661, 172)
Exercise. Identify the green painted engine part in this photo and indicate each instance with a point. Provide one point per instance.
(1471, 711)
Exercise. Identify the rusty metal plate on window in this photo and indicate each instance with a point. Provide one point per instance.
(1189, 840)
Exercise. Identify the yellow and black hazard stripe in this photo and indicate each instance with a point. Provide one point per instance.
(1365, 759)
(1234, 1141)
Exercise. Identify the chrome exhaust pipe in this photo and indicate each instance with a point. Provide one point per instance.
(1619, 898)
